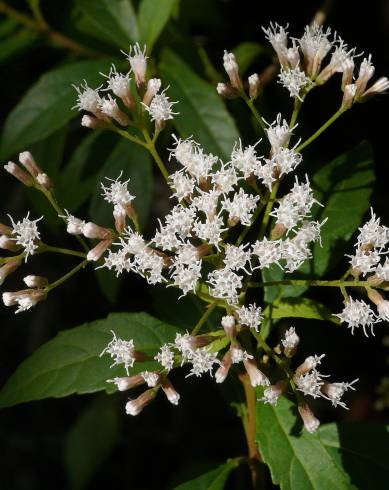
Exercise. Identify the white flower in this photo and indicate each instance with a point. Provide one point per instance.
(271, 395)
(132, 243)
(278, 38)
(250, 315)
(241, 207)
(151, 378)
(117, 192)
(239, 355)
(364, 261)
(294, 253)
(268, 252)
(183, 185)
(138, 62)
(75, 226)
(236, 257)
(88, 99)
(358, 314)
(383, 310)
(266, 173)
(225, 285)
(165, 357)
(315, 45)
(26, 234)
(335, 391)
(290, 340)
(160, 108)
(149, 265)
(186, 277)
(121, 351)
(372, 233)
(207, 203)
(210, 231)
(117, 82)
(110, 108)
(118, 261)
(180, 219)
(310, 383)
(24, 299)
(225, 179)
(309, 232)
(202, 362)
(245, 159)
(294, 80)
(285, 160)
(279, 133)
(382, 270)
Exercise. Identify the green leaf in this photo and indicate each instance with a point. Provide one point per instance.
(134, 163)
(86, 448)
(71, 363)
(246, 53)
(202, 112)
(17, 44)
(47, 106)
(299, 308)
(115, 20)
(338, 457)
(212, 480)
(152, 17)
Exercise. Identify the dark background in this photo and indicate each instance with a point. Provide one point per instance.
(167, 444)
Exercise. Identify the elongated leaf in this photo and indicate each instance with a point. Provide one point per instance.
(86, 448)
(134, 163)
(202, 112)
(212, 480)
(71, 363)
(115, 20)
(300, 308)
(339, 456)
(152, 18)
(47, 106)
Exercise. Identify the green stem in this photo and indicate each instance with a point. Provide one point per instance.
(48, 248)
(242, 236)
(308, 282)
(67, 276)
(269, 207)
(158, 160)
(130, 137)
(331, 120)
(296, 109)
(204, 318)
(253, 109)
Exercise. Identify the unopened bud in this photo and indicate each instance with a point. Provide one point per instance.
(28, 162)
(348, 96)
(290, 342)
(278, 231)
(91, 230)
(110, 108)
(254, 85)
(172, 395)
(273, 393)
(310, 363)
(35, 281)
(153, 86)
(45, 181)
(380, 86)
(232, 69)
(120, 215)
(19, 174)
(257, 378)
(228, 323)
(25, 299)
(222, 372)
(5, 230)
(8, 268)
(92, 122)
(96, 252)
(134, 407)
(348, 71)
(225, 90)
(7, 243)
(311, 423)
(127, 382)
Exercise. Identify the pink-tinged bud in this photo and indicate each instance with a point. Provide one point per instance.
(8, 268)
(134, 407)
(273, 393)
(28, 162)
(348, 96)
(375, 296)
(110, 108)
(25, 299)
(45, 181)
(348, 72)
(228, 323)
(5, 230)
(120, 215)
(225, 90)
(96, 252)
(278, 231)
(222, 372)
(19, 174)
(138, 63)
(153, 86)
(127, 382)
(311, 423)
(380, 86)
(92, 122)
(257, 378)
(232, 69)
(254, 85)
(7, 243)
(91, 230)
(290, 342)
(35, 281)
(310, 363)
(171, 394)
(366, 71)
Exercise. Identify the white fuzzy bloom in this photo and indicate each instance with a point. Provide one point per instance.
(309, 232)
(285, 160)
(315, 45)
(268, 252)
(278, 38)
(117, 82)
(117, 192)
(210, 231)
(121, 351)
(290, 340)
(239, 355)
(118, 261)
(335, 391)
(138, 62)
(186, 344)
(133, 242)
(250, 315)
(294, 80)
(180, 219)
(358, 314)
(225, 284)
(202, 362)
(279, 133)
(165, 357)
(151, 378)
(74, 226)
(382, 270)
(372, 233)
(364, 261)
(294, 253)
(24, 299)
(310, 383)
(160, 108)
(110, 108)
(149, 265)
(383, 310)
(257, 378)
(207, 202)
(225, 179)
(166, 238)
(272, 394)
(26, 234)
(186, 277)
(245, 159)
(88, 99)
(241, 207)
(183, 151)
(182, 184)
(236, 258)
(266, 173)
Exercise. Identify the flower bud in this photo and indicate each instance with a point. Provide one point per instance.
(7, 243)
(91, 230)
(35, 281)
(228, 323)
(348, 96)
(232, 69)
(222, 372)
(290, 342)
(225, 90)
(110, 108)
(92, 122)
(380, 86)
(134, 407)
(172, 395)
(45, 181)
(120, 215)
(254, 85)
(153, 86)
(96, 252)
(8, 268)
(310, 363)
(25, 299)
(272, 394)
(28, 162)
(127, 382)
(19, 174)
(138, 63)
(257, 378)
(311, 423)
(5, 230)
